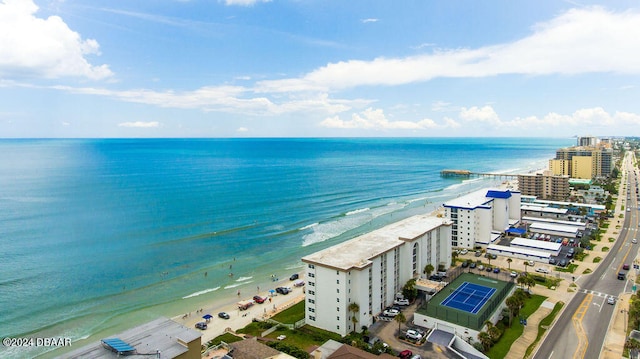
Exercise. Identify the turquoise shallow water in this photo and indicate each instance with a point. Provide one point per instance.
(101, 235)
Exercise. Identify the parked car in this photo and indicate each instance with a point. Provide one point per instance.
(282, 290)
(405, 354)
(542, 270)
(563, 263)
(465, 264)
(611, 300)
(625, 266)
(294, 276)
(390, 312)
(412, 334)
(478, 254)
(464, 251)
(496, 270)
(472, 265)
(513, 274)
(201, 325)
(435, 277)
(223, 315)
(404, 302)
(489, 269)
(480, 267)
(634, 241)
(258, 299)
(494, 256)
(552, 261)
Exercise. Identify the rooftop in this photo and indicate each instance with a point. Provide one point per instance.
(162, 334)
(480, 198)
(358, 252)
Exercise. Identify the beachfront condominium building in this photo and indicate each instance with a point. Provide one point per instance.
(544, 185)
(479, 218)
(583, 162)
(369, 270)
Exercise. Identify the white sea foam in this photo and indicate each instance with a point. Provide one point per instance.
(296, 266)
(350, 213)
(236, 285)
(308, 226)
(340, 225)
(201, 292)
(243, 279)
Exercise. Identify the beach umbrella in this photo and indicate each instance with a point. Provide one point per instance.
(207, 317)
(271, 291)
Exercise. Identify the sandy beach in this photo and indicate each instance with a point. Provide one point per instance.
(240, 318)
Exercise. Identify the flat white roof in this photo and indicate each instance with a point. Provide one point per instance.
(160, 334)
(527, 207)
(472, 200)
(580, 225)
(594, 206)
(531, 243)
(358, 252)
(517, 250)
(553, 227)
(492, 238)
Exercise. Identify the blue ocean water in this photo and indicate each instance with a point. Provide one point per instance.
(100, 235)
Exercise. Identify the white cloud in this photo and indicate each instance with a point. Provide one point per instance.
(65, 123)
(365, 21)
(375, 119)
(36, 47)
(242, 129)
(243, 2)
(140, 124)
(579, 41)
(480, 114)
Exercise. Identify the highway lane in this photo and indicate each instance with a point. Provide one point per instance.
(580, 331)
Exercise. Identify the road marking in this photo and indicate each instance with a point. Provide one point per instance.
(579, 314)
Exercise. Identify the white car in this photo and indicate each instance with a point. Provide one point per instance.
(464, 251)
(412, 334)
(391, 312)
(542, 270)
(401, 302)
(611, 300)
(513, 274)
(634, 241)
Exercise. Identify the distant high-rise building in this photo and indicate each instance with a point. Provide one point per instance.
(544, 185)
(582, 162)
(588, 141)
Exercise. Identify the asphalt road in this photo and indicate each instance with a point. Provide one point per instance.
(580, 331)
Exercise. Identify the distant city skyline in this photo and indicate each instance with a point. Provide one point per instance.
(285, 68)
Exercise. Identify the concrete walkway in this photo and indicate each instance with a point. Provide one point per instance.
(519, 347)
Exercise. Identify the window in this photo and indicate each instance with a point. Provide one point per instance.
(311, 292)
(311, 275)
(311, 301)
(311, 266)
(337, 290)
(338, 327)
(337, 272)
(337, 281)
(337, 309)
(312, 310)
(312, 284)
(338, 318)
(312, 318)
(338, 300)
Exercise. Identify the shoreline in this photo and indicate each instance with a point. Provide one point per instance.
(241, 318)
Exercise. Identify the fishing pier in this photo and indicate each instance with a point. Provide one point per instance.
(467, 173)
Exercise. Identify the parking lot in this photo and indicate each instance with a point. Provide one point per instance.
(387, 331)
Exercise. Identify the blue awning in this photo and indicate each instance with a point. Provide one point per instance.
(118, 345)
(516, 230)
(498, 194)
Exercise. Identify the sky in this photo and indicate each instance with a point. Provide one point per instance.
(319, 68)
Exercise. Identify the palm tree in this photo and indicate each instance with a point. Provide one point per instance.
(428, 269)
(513, 303)
(355, 309)
(509, 260)
(400, 318)
(526, 264)
(485, 340)
(495, 333)
(454, 255)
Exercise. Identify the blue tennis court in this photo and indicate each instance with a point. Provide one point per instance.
(469, 297)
